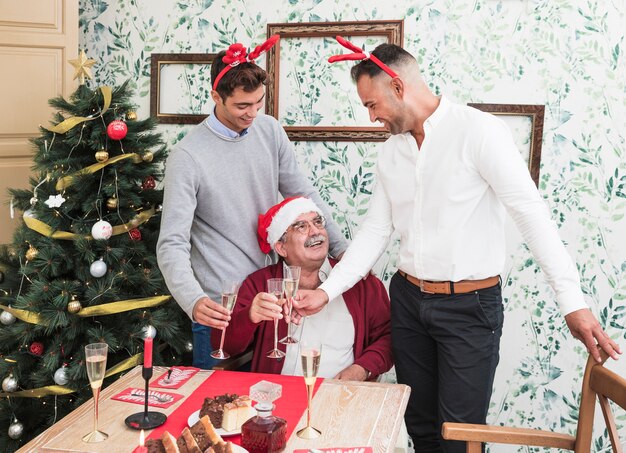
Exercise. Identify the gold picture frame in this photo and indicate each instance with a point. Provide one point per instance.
(390, 31)
(180, 87)
(535, 134)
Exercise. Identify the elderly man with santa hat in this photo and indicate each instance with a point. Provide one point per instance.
(354, 328)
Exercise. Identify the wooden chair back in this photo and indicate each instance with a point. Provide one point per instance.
(598, 382)
(609, 386)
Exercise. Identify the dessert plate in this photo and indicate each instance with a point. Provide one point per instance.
(193, 419)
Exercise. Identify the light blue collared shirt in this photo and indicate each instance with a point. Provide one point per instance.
(219, 127)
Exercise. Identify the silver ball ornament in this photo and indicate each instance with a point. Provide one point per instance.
(7, 318)
(16, 429)
(33, 201)
(98, 268)
(149, 331)
(189, 346)
(9, 384)
(60, 376)
(101, 230)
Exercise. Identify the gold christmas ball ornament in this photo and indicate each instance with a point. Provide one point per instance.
(112, 203)
(31, 253)
(131, 116)
(147, 156)
(102, 155)
(74, 306)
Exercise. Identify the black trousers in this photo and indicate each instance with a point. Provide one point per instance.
(446, 348)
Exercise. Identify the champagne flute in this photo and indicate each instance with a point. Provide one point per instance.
(310, 354)
(96, 362)
(275, 287)
(290, 284)
(230, 288)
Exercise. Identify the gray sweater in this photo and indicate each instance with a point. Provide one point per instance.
(215, 189)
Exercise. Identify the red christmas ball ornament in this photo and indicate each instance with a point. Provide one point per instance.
(149, 183)
(135, 234)
(36, 348)
(117, 130)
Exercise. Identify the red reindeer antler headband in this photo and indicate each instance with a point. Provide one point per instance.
(236, 54)
(360, 54)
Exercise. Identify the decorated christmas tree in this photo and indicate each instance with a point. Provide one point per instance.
(82, 267)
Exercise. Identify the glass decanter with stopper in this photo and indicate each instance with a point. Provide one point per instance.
(264, 433)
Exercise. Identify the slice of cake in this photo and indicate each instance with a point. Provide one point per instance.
(204, 433)
(214, 407)
(155, 446)
(169, 443)
(186, 443)
(237, 413)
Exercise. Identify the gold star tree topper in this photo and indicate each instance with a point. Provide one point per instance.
(82, 67)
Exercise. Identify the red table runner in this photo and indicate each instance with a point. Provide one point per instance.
(290, 406)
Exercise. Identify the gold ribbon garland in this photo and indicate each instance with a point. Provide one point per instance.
(111, 308)
(66, 181)
(122, 306)
(125, 365)
(52, 390)
(41, 391)
(27, 316)
(69, 123)
(46, 230)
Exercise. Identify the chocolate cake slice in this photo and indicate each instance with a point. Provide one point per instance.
(214, 407)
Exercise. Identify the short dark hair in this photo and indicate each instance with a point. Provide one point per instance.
(390, 54)
(248, 76)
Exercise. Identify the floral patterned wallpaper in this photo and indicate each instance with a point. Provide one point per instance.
(566, 54)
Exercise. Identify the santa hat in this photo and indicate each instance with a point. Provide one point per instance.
(274, 223)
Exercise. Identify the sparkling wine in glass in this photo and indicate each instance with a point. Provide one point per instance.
(310, 355)
(275, 287)
(96, 362)
(291, 281)
(230, 288)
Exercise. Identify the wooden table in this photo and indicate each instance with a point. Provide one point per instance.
(349, 414)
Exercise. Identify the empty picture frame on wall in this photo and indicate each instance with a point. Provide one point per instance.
(316, 100)
(526, 124)
(180, 87)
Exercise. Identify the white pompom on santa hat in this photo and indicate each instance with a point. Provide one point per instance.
(274, 223)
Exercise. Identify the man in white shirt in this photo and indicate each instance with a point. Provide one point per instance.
(444, 179)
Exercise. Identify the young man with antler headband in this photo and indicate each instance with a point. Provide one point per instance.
(444, 179)
(227, 170)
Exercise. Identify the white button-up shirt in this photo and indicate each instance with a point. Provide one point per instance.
(447, 201)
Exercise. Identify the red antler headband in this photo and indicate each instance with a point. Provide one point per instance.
(236, 54)
(360, 54)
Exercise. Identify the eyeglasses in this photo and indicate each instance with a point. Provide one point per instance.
(302, 227)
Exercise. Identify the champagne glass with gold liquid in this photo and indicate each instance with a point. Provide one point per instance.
(275, 287)
(310, 354)
(96, 361)
(230, 288)
(291, 281)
